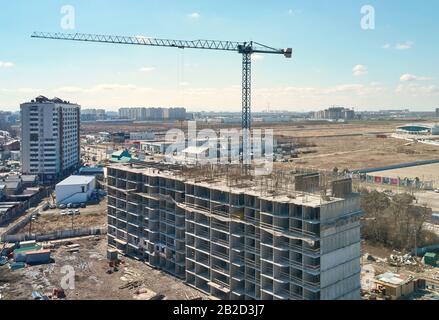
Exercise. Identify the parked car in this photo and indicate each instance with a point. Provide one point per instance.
(83, 205)
(62, 206)
(52, 206)
(64, 212)
(70, 205)
(76, 205)
(77, 212)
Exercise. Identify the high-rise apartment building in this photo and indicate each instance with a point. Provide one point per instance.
(238, 238)
(133, 113)
(93, 114)
(335, 113)
(155, 114)
(50, 143)
(177, 114)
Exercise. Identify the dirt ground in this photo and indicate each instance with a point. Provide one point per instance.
(352, 145)
(361, 152)
(52, 220)
(92, 282)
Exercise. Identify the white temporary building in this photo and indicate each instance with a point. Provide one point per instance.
(75, 189)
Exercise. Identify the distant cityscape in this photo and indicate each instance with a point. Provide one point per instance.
(61, 159)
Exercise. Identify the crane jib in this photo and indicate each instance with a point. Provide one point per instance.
(244, 48)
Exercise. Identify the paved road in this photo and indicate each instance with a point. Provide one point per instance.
(430, 198)
(432, 227)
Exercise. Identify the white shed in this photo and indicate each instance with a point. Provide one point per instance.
(75, 189)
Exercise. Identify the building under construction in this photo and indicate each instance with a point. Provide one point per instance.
(286, 235)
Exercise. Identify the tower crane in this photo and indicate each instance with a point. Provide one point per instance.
(244, 48)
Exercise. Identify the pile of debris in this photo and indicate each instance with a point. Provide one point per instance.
(135, 282)
(398, 260)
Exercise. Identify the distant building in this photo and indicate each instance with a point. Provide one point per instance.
(121, 156)
(177, 114)
(75, 189)
(98, 172)
(154, 114)
(119, 137)
(12, 145)
(142, 136)
(335, 113)
(5, 120)
(133, 113)
(437, 112)
(419, 129)
(157, 114)
(50, 144)
(93, 115)
(155, 147)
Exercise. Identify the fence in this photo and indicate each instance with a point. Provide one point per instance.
(63, 234)
(23, 206)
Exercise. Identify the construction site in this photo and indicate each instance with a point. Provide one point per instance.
(392, 275)
(353, 146)
(288, 235)
(93, 279)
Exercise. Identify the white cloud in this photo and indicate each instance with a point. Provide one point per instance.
(311, 92)
(404, 46)
(28, 90)
(69, 89)
(194, 15)
(21, 90)
(410, 77)
(4, 64)
(399, 46)
(101, 88)
(417, 90)
(257, 57)
(293, 12)
(146, 69)
(359, 70)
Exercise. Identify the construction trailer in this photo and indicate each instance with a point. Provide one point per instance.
(235, 236)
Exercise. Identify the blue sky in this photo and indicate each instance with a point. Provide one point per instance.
(335, 61)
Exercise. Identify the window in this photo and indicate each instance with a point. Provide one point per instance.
(34, 137)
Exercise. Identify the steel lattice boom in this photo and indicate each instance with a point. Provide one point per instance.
(244, 48)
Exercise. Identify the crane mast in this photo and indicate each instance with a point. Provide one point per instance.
(244, 48)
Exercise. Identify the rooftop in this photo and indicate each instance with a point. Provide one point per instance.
(392, 278)
(76, 180)
(278, 186)
(43, 99)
